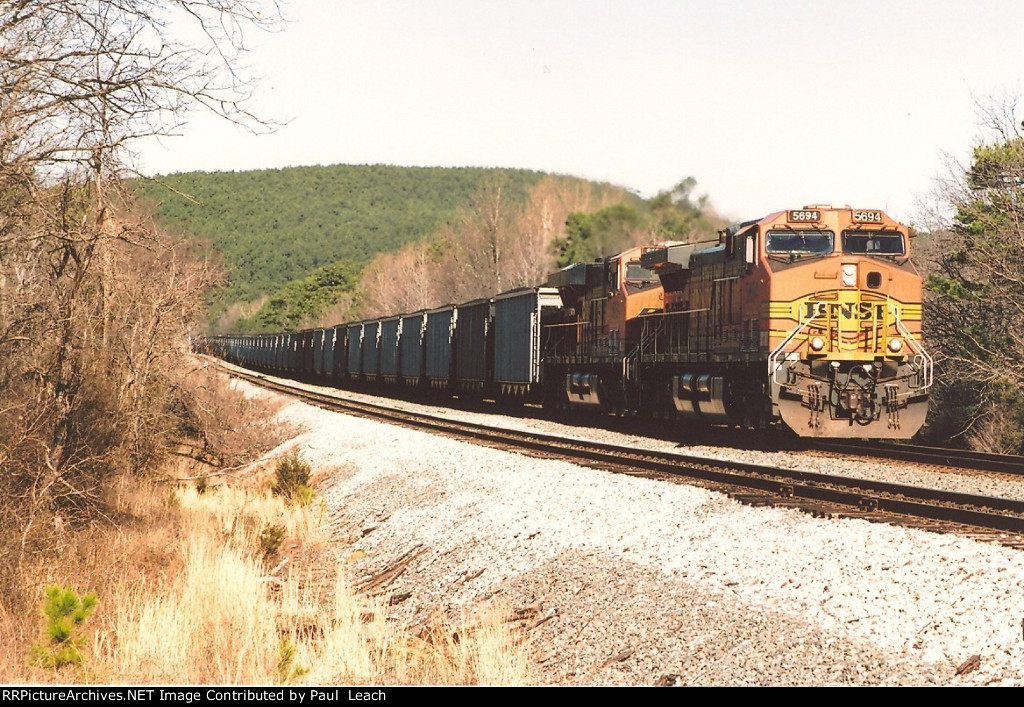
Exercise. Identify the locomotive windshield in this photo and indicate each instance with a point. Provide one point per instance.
(800, 242)
(873, 242)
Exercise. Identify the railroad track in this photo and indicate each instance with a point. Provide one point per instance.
(934, 456)
(986, 518)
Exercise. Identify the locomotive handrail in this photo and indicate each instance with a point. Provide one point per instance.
(927, 368)
(580, 323)
(672, 314)
(772, 367)
(629, 362)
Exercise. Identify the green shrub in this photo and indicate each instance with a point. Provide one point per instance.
(65, 613)
(271, 538)
(286, 668)
(304, 495)
(292, 479)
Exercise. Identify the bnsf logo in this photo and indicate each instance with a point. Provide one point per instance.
(852, 310)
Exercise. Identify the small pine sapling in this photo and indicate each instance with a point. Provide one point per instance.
(65, 613)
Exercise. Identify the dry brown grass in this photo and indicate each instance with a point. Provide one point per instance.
(188, 595)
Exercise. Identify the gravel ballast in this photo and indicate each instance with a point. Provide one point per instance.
(633, 581)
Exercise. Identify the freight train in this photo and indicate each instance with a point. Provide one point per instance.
(808, 319)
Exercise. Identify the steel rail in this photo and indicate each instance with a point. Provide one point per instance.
(864, 496)
(937, 456)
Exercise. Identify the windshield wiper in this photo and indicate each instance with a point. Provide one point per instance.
(884, 257)
(790, 258)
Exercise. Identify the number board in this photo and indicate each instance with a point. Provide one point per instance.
(805, 216)
(861, 216)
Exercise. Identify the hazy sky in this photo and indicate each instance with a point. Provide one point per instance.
(767, 104)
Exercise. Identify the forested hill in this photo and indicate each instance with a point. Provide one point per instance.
(277, 226)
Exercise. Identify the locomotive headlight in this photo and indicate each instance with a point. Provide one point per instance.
(895, 345)
(849, 274)
(817, 343)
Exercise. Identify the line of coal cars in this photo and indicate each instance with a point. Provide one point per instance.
(484, 348)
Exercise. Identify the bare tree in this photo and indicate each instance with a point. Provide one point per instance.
(95, 305)
(406, 281)
(498, 243)
(530, 255)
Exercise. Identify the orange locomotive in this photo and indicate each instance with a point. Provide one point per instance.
(810, 317)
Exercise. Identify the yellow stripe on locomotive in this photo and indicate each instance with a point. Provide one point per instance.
(852, 323)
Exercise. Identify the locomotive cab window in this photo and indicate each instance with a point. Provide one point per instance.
(636, 274)
(794, 242)
(873, 243)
